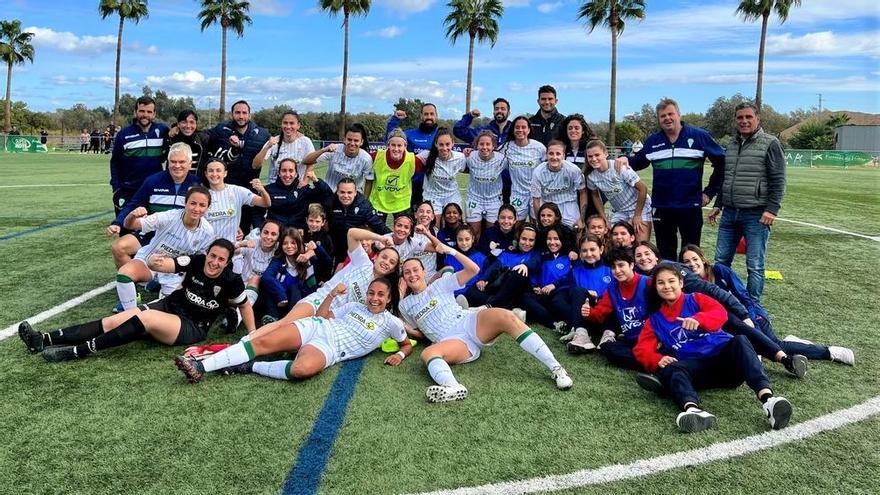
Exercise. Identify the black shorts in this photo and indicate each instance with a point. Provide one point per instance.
(191, 331)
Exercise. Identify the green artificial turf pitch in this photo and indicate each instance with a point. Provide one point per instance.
(125, 421)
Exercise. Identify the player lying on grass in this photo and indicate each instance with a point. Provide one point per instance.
(459, 335)
(182, 318)
(351, 331)
(724, 277)
(682, 342)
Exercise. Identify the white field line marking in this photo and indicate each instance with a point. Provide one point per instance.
(832, 229)
(45, 315)
(21, 186)
(714, 452)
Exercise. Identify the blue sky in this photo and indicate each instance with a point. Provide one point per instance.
(694, 51)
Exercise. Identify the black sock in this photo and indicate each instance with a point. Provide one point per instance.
(74, 334)
(786, 361)
(764, 397)
(125, 333)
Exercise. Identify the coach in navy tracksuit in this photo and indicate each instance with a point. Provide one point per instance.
(236, 143)
(351, 209)
(137, 152)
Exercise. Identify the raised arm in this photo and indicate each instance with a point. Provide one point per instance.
(355, 236)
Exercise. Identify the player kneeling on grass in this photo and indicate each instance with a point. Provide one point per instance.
(349, 332)
(459, 335)
(182, 318)
(683, 343)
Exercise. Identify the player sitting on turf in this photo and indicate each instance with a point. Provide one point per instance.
(459, 335)
(182, 318)
(351, 331)
(683, 343)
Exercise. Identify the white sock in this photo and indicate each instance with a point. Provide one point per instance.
(241, 352)
(441, 373)
(279, 370)
(251, 295)
(534, 345)
(127, 293)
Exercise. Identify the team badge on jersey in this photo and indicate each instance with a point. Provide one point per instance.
(216, 290)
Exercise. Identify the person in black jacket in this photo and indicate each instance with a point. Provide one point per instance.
(291, 198)
(351, 209)
(545, 124)
(186, 131)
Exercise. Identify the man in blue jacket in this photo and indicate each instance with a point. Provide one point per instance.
(236, 143)
(137, 152)
(417, 140)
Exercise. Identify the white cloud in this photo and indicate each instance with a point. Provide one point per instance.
(389, 32)
(515, 3)
(406, 7)
(269, 7)
(822, 12)
(824, 43)
(426, 65)
(546, 8)
(68, 42)
(90, 81)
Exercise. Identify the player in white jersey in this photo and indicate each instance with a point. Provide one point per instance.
(522, 155)
(349, 160)
(351, 331)
(624, 190)
(409, 244)
(256, 254)
(178, 233)
(356, 276)
(560, 182)
(291, 144)
(442, 166)
(458, 335)
(484, 181)
(227, 200)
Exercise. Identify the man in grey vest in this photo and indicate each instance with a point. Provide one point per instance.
(751, 195)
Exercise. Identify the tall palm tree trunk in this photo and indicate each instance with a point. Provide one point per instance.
(116, 111)
(470, 76)
(223, 75)
(344, 78)
(760, 85)
(7, 120)
(612, 107)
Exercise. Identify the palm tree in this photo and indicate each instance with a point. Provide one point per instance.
(15, 48)
(348, 8)
(229, 14)
(479, 20)
(752, 10)
(612, 14)
(134, 10)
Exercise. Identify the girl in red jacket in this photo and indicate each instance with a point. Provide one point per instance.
(682, 342)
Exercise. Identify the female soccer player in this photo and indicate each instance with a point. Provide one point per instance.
(522, 155)
(452, 220)
(255, 258)
(414, 243)
(623, 234)
(501, 236)
(624, 190)
(442, 166)
(182, 318)
(458, 335)
(349, 160)
(683, 343)
(484, 182)
(560, 182)
(291, 144)
(291, 199)
(350, 331)
(394, 168)
(724, 277)
(178, 233)
(288, 278)
(547, 302)
(228, 199)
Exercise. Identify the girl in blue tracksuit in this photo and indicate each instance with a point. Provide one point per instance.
(547, 302)
(509, 276)
(501, 236)
(287, 279)
(724, 277)
(452, 215)
(589, 280)
(464, 243)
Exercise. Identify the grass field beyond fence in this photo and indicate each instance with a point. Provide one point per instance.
(125, 421)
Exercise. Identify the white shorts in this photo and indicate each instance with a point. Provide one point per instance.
(438, 203)
(314, 331)
(628, 215)
(571, 212)
(316, 298)
(478, 210)
(170, 282)
(523, 205)
(467, 333)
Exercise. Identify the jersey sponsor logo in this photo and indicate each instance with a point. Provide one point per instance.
(431, 306)
(369, 325)
(198, 301)
(630, 319)
(358, 292)
(229, 212)
(488, 180)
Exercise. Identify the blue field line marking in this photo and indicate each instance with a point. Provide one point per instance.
(53, 225)
(305, 476)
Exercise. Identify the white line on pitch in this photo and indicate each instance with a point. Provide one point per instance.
(20, 186)
(714, 452)
(45, 315)
(832, 229)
